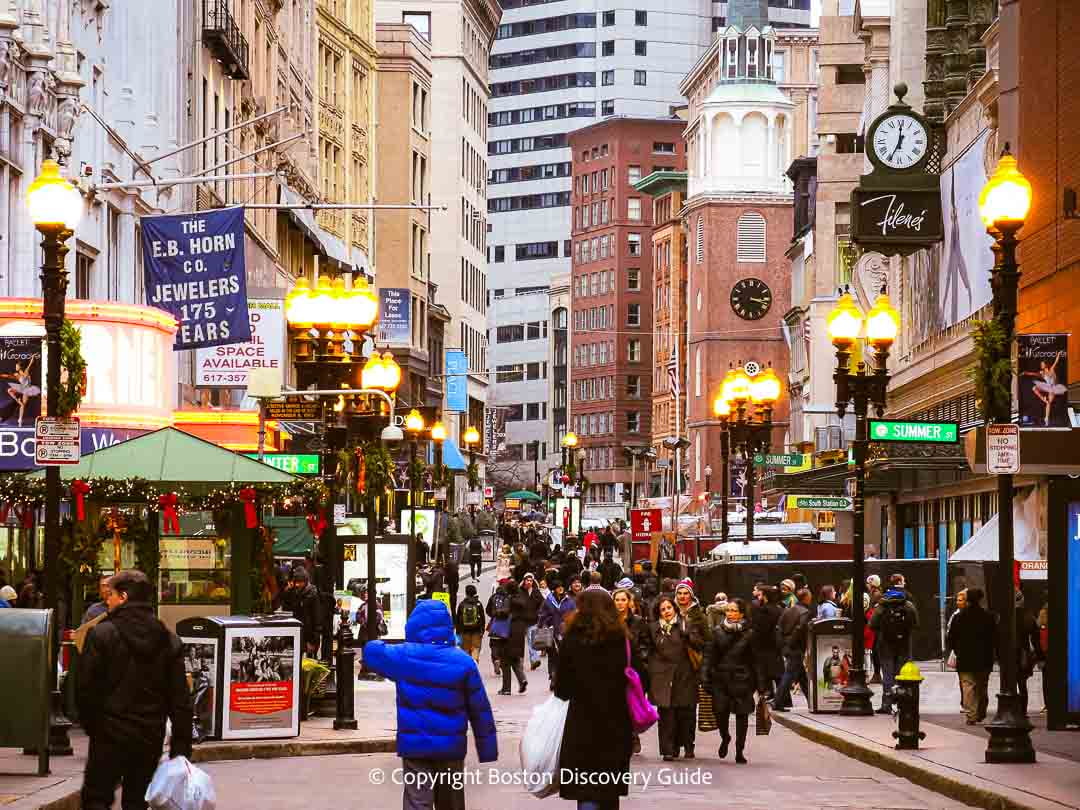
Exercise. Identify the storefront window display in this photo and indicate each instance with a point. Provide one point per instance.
(194, 567)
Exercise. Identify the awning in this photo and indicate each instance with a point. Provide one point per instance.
(328, 244)
(292, 537)
(983, 545)
(452, 457)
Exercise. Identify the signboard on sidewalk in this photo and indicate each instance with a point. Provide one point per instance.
(934, 432)
(778, 459)
(1002, 449)
(195, 271)
(294, 410)
(57, 440)
(644, 522)
(820, 503)
(227, 366)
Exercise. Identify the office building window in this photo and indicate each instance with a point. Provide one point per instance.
(641, 18)
(500, 253)
(633, 351)
(609, 18)
(633, 386)
(633, 280)
(633, 314)
(663, 148)
(640, 78)
(633, 174)
(633, 422)
(641, 47)
(633, 208)
(607, 77)
(779, 60)
(419, 20)
(608, 48)
(607, 107)
(633, 244)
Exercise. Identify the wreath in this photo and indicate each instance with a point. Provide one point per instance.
(73, 366)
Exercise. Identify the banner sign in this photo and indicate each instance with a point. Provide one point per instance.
(896, 216)
(643, 522)
(395, 309)
(1042, 371)
(20, 382)
(457, 370)
(227, 366)
(934, 432)
(195, 271)
(17, 445)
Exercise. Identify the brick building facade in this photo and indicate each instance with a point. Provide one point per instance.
(611, 292)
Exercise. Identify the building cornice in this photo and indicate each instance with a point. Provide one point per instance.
(735, 198)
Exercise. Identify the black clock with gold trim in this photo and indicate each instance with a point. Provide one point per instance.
(751, 298)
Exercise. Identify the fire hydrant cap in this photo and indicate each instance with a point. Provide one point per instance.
(909, 672)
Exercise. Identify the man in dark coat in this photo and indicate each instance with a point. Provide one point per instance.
(893, 621)
(302, 600)
(523, 612)
(131, 679)
(452, 579)
(971, 636)
(610, 571)
(764, 617)
(793, 627)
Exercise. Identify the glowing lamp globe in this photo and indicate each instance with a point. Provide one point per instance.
(882, 323)
(322, 304)
(339, 313)
(391, 373)
(53, 201)
(570, 439)
(765, 388)
(373, 374)
(414, 422)
(438, 432)
(472, 436)
(844, 322)
(297, 305)
(364, 306)
(721, 408)
(1006, 197)
(740, 388)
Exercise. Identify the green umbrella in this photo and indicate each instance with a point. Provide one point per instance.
(523, 495)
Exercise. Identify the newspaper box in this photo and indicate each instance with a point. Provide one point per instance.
(830, 662)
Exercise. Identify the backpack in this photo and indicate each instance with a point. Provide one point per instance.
(895, 624)
(500, 606)
(476, 546)
(470, 615)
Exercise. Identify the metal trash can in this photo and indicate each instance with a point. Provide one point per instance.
(27, 679)
(244, 673)
(830, 643)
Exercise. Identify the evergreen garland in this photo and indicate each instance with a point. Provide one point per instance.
(73, 364)
(992, 372)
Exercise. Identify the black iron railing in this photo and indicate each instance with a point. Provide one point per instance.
(223, 37)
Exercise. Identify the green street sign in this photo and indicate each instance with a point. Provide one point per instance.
(297, 464)
(778, 459)
(820, 503)
(934, 432)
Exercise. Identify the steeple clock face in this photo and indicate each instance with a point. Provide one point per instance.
(751, 298)
(899, 141)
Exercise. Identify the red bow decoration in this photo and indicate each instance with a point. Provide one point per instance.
(80, 489)
(170, 517)
(361, 473)
(247, 495)
(5, 510)
(316, 522)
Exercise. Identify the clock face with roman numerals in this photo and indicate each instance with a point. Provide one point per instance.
(751, 298)
(899, 141)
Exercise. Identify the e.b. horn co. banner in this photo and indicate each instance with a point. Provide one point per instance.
(195, 270)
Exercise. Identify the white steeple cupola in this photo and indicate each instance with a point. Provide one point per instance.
(746, 121)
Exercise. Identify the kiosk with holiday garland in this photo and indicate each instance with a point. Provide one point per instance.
(186, 512)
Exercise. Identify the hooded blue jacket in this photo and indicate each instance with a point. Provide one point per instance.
(439, 689)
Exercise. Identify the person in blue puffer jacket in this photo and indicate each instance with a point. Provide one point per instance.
(439, 692)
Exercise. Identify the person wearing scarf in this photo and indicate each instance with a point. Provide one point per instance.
(637, 631)
(728, 672)
(673, 686)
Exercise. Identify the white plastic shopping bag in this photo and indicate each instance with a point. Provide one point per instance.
(540, 746)
(179, 785)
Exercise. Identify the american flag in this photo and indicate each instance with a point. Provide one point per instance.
(673, 376)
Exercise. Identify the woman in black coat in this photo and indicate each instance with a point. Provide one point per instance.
(728, 672)
(513, 649)
(672, 681)
(594, 763)
(764, 616)
(637, 630)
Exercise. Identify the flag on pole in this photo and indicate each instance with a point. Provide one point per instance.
(673, 376)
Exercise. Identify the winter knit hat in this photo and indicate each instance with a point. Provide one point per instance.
(8, 594)
(685, 583)
(874, 581)
(789, 584)
(625, 584)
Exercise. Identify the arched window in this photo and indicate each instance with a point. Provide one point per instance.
(750, 244)
(700, 240)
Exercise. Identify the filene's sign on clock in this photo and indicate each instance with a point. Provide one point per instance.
(896, 215)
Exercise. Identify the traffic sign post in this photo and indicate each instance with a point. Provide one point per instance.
(57, 440)
(820, 503)
(934, 432)
(1003, 449)
(778, 459)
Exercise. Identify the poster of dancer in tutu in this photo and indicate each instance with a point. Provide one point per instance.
(20, 381)
(1042, 371)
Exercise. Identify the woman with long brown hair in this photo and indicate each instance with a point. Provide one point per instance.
(594, 763)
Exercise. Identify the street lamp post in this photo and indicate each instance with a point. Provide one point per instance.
(55, 209)
(414, 426)
(569, 445)
(438, 436)
(751, 435)
(722, 411)
(1003, 205)
(862, 387)
(471, 439)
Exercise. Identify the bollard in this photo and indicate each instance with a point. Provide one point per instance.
(906, 698)
(346, 699)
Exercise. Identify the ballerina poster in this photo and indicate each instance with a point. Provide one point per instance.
(20, 381)
(1042, 376)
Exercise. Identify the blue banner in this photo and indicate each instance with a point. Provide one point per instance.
(1072, 612)
(395, 325)
(195, 270)
(17, 444)
(457, 371)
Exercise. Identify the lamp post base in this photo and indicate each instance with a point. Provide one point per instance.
(1010, 733)
(856, 695)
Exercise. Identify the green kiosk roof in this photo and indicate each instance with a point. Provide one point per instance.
(172, 456)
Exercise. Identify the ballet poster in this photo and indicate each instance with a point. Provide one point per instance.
(1042, 372)
(20, 381)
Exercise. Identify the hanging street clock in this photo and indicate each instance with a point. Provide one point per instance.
(896, 209)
